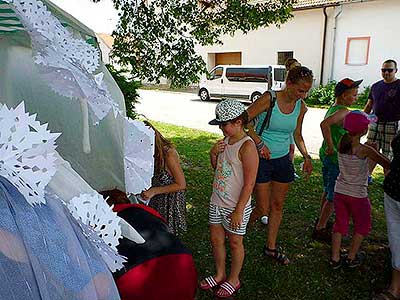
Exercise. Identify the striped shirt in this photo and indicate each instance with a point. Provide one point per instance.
(353, 177)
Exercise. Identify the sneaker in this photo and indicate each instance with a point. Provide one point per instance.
(357, 261)
(322, 235)
(264, 220)
(336, 264)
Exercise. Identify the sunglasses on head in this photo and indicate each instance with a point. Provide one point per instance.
(390, 70)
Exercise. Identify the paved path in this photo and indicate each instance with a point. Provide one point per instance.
(186, 109)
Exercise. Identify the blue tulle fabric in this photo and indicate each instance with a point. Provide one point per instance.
(44, 255)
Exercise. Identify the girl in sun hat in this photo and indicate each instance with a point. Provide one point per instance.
(235, 161)
(351, 194)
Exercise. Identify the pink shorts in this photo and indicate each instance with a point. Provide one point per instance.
(358, 208)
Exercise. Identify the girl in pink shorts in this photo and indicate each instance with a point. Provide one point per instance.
(351, 189)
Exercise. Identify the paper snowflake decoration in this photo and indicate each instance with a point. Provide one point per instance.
(66, 63)
(27, 152)
(92, 210)
(138, 155)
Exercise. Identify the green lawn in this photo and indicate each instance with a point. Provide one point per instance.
(309, 275)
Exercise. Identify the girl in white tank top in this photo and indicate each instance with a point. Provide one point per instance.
(235, 160)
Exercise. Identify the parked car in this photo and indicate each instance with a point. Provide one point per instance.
(241, 82)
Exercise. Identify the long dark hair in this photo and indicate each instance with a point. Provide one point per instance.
(161, 148)
(345, 144)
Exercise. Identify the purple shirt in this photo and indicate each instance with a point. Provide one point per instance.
(386, 100)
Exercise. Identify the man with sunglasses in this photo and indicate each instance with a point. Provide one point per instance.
(384, 101)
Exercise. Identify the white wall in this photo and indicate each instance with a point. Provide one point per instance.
(304, 32)
(302, 35)
(377, 19)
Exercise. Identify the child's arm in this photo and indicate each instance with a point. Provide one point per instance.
(248, 156)
(336, 118)
(375, 156)
(174, 166)
(215, 150)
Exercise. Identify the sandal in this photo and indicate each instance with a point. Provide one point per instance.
(385, 295)
(335, 264)
(209, 283)
(276, 255)
(357, 261)
(227, 290)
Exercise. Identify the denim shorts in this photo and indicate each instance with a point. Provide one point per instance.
(330, 171)
(278, 169)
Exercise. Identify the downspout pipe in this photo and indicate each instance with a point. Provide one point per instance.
(321, 77)
(334, 41)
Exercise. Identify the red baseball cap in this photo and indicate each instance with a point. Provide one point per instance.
(346, 84)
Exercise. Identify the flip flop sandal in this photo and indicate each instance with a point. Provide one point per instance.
(386, 295)
(227, 290)
(210, 282)
(276, 255)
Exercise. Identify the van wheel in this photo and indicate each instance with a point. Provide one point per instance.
(255, 96)
(204, 96)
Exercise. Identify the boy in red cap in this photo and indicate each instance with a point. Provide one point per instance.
(351, 189)
(346, 92)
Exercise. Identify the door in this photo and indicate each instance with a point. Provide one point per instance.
(215, 82)
(228, 58)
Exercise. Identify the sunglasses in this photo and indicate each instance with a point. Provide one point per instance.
(390, 70)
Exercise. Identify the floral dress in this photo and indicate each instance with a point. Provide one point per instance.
(171, 206)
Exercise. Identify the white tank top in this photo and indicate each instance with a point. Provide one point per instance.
(353, 176)
(228, 178)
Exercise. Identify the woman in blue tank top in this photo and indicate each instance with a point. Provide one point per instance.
(275, 171)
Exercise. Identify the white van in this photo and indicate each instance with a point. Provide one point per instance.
(241, 82)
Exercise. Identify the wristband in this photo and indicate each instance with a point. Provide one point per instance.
(260, 145)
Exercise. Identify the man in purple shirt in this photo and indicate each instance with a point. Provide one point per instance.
(384, 100)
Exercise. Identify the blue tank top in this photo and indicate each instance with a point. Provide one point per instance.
(279, 135)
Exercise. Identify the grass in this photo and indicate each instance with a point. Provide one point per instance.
(309, 275)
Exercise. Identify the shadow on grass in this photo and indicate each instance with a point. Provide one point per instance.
(309, 275)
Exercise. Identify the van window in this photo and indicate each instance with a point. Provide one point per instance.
(247, 74)
(215, 74)
(279, 74)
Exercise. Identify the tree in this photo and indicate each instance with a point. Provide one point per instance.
(157, 38)
(128, 88)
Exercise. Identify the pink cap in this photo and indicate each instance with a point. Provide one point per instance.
(356, 122)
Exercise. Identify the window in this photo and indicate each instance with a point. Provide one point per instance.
(357, 51)
(247, 74)
(279, 74)
(216, 73)
(283, 56)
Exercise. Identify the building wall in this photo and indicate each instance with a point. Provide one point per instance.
(303, 35)
(376, 19)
